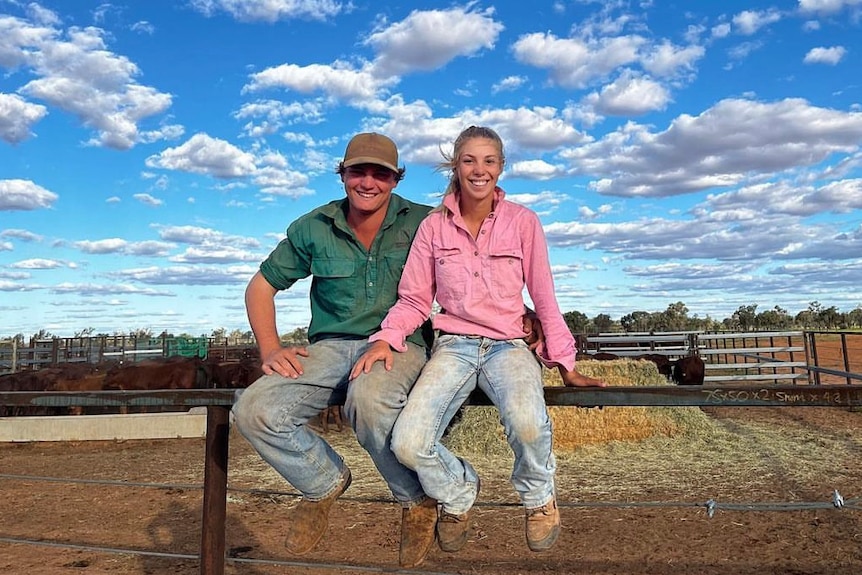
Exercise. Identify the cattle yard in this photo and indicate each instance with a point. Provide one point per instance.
(814, 391)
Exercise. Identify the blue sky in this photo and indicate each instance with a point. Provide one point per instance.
(153, 153)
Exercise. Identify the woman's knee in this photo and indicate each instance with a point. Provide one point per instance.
(406, 446)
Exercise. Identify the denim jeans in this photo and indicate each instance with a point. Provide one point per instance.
(271, 414)
(509, 374)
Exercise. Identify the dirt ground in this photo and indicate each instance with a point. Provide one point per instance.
(622, 513)
(770, 476)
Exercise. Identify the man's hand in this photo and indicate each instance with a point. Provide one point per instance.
(379, 351)
(284, 361)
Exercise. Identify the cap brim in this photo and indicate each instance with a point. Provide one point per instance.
(369, 160)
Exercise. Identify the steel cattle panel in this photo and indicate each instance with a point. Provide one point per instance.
(667, 396)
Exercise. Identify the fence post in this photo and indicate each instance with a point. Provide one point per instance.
(215, 491)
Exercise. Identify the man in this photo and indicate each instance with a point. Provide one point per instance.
(354, 249)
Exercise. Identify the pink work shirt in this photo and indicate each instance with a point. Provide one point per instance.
(479, 282)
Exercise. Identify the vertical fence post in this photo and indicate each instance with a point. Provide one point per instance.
(215, 491)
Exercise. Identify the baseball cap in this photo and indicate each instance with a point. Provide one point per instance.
(371, 148)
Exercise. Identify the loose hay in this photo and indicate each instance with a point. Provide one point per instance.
(479, 431)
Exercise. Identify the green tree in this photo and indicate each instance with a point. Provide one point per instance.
(636, 321)
(576, 321)
(298, 336)
(603, 323)
(829, 317)
(774, 319)
(674, 318)
(745, 317)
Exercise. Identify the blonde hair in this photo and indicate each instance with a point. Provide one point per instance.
(450, 161)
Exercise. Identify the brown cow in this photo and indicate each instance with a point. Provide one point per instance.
(688, 370)
(167, 373)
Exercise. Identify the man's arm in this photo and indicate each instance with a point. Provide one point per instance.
(260, 307)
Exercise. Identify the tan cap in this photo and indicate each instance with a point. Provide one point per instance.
(371, 148)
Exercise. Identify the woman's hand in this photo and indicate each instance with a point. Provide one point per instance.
(378, 351)
(575, 379)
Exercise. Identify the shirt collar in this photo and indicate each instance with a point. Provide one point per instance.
(450, 201)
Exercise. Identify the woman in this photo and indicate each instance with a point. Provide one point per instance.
(474, 254)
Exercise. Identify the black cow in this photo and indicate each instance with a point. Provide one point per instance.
(688, 370)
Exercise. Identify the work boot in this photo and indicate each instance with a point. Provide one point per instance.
(418, 524)
(543, 526)
(307, 521)
(452, 530)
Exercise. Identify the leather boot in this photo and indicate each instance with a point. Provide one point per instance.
(543, 526)
(307, 521)
(418, 531)
(452, 531)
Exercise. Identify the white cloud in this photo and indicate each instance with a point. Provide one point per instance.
(748, 22)
(724, 146)
(203, 154)
(272, 10)
(428, 39)
(576, 63)
(508, 84)
(826, 6)
(630, 95)
(24, 195)
(148, 200)
(822, 55)
(75, 72)
(17, 116)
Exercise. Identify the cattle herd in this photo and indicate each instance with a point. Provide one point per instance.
(163, 373)
(194, 373)
(688, 370)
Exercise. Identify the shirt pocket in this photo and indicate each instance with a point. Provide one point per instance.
(507, 270)
(393, 267)
(336, 284)
(451, 273)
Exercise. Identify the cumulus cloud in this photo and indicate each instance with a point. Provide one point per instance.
(76, 72)
(573, 62)
(823, 55)
(148, 200)
(630, 95)
(748, 22)
(826, 6)
(272, 10)
(17, 116)
(203, 154)
(508, 84)
(24, 195)
(428, 39)
(723, 146)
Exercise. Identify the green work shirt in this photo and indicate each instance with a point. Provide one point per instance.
(352, 288)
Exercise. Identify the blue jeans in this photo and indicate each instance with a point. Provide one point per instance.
(509, 374)
(271, 414)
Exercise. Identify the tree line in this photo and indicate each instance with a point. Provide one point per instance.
(745, 318)
(675, 318)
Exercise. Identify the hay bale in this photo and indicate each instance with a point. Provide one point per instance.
(479, 430)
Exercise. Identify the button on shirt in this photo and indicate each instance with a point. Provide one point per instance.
(351, 288)
(479, 282)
